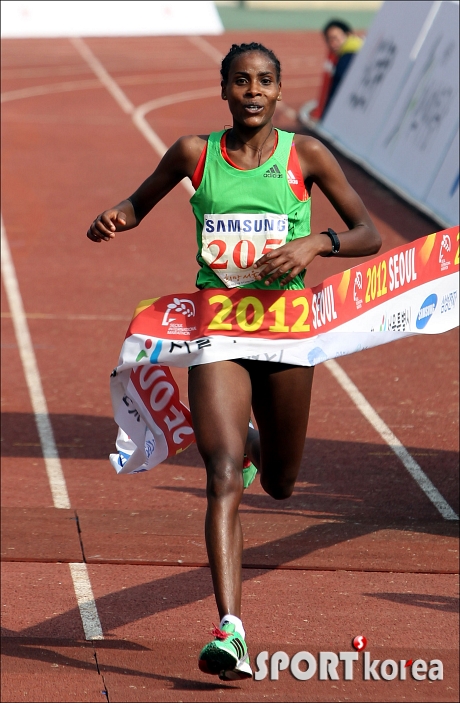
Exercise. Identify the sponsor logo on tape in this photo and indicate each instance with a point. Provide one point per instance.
(357, 287)
(426, 311)
(449, 301)
(150, 443)
(444, 251)
(184, 306)
(122, 458)
(316, 356)
(397, 321)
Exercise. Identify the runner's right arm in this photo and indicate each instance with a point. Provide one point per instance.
(178, 162)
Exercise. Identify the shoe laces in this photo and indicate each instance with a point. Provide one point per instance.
(218, 633)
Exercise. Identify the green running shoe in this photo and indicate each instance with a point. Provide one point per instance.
(226, 656)
(249, 472)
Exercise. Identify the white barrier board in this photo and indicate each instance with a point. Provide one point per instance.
(396, 111)
(443, 196)
(87, 18)
(370, 88)
(418, 132)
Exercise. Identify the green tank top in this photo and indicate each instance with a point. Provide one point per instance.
(241, 215)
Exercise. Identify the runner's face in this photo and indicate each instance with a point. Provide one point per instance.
(252, 89)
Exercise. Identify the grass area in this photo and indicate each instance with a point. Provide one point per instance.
(279, 20)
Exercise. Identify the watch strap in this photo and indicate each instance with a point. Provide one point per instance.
(334, 239)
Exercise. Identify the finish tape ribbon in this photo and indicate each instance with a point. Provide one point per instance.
(412, 289)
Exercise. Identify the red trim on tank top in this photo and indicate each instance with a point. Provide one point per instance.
(295, 175)
(294, 172)
(199, 170)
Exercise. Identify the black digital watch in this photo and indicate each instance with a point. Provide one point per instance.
(335, 241)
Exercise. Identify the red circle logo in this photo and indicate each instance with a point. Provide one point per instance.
(359, 643)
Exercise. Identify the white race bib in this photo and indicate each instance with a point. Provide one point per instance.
(232, 243)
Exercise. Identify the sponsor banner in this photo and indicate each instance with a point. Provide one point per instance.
(442, 196)
(409, 290)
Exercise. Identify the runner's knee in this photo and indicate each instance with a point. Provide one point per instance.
(279, 490)
(225, 477)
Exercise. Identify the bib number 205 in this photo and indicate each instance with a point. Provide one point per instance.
(231, 244)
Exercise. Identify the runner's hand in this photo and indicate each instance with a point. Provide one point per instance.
(106, 224)
(288, 261)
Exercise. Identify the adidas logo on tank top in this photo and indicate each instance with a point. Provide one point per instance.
(273, 172)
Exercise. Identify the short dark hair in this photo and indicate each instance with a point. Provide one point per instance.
(238, 49)
(344, 26)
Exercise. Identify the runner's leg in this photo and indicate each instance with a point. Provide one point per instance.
(220, 402)
(281, 403)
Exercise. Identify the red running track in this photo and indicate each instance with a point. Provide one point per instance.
(358, 549)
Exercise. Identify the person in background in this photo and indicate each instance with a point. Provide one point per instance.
(344, 44)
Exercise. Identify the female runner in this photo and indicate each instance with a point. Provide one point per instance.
(254, 169)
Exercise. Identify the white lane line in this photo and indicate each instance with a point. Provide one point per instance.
(106, 79)
(206, 48)
(303, 81)
(91, 84)
(45, 431)
(152, 137)
(86, 603)
(90, 618)
(393, 442)
(37, 90)
(138, 113)
(51, 72)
